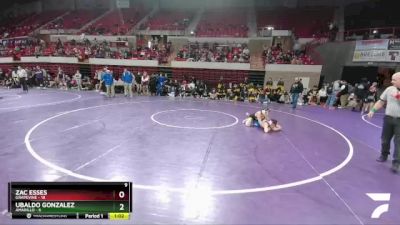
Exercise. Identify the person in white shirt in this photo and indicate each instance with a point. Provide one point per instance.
(99, 82)
(14, 77)
(145, 83)
(322, 95)
(78, 79)
(59, 77)
(246, 51)
(391, 122)
(22, 75)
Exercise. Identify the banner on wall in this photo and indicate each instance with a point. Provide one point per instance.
(394, 44)
(378, 44)
(382, 50)
(370, 55)
(393, 56)
(15, 41)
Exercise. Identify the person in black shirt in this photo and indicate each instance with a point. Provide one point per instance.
(153, 84)
(280, 84)
(220, 90)
(361, 91)
(343, 94)
(201, 89)
(138, 83)
(246, 81)
(269, 83)
(295, 90)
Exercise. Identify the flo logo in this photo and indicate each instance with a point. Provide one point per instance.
(379, 197)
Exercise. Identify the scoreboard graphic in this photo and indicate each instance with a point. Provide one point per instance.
(70, 200)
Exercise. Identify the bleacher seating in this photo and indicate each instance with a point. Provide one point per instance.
(8, 24)
(117, 22)
(169, 20)
(361, 19)
(223, 23)
(27, 23)
(305, 23)
(76, 19)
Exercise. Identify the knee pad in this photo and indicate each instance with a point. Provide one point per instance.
(256, 123)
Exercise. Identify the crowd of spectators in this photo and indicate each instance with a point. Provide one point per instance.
(206, 52)
(338, 94)
(276, 55)
(193, 51)
(85, 49)
(19, 47)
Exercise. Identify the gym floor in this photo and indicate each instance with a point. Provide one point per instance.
(192, 161)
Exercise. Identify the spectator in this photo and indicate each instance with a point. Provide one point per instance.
(296, 89)
(78, 80)
(128, 79)
(343, 94)
(109, 82)
(361, 91)
(322, 96)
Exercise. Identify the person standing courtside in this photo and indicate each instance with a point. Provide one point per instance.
(78, 80)
(269, 83)
(145, 83)
(109, 82)
(22, 75)
(281, 84)
(39, 77)
(391, 121)
(138, 83)
(296, 89)
(128, 78)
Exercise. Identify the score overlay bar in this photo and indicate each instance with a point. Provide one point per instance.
(70, 200)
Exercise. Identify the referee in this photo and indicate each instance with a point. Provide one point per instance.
(391, 121)
(23, 76)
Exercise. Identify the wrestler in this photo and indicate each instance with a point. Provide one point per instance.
(261, 119)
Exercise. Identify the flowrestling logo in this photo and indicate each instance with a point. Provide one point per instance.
(379, 197)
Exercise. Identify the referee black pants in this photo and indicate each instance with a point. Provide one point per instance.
(22, 80)
(391, 128)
